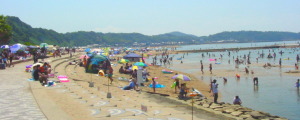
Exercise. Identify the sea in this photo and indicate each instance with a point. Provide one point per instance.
(276, 92)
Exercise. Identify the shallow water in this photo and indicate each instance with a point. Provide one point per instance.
(276, 92)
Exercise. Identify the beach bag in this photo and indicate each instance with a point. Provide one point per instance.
(173, 85)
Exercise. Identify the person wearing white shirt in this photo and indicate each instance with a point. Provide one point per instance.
(214, 89)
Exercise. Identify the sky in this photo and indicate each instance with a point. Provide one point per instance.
(153, 17)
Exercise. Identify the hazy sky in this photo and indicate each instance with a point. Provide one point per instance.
(151, 17)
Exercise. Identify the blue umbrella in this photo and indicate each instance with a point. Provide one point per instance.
(87, 50)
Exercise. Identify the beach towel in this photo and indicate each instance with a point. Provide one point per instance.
(63, 78)
(30, 79)
(212, 60)
(157, 86)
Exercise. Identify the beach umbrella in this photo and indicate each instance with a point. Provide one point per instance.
(181, 77)
(82, 56)
(135, 67)
(5, 46)
(14, 48)
(123, 61)
(44, 45)
(87, 50)
(41, 64)
(140, 64)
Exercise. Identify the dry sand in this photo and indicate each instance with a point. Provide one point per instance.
(77, 101)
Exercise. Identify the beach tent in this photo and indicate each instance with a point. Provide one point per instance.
(132, 57)
(95, 61)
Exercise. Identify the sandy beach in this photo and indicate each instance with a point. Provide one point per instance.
(76, 100)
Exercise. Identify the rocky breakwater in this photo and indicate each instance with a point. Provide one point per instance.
(234, 111)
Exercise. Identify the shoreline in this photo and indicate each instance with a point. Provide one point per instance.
(223, 109)
(237, 49)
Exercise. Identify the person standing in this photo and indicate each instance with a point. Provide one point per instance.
(210, 68)
(255, 81)
(214, 89)
(280, 62)
(11, 56)
(110, 74)
(202, 68)
(153, 84)
(297, 83)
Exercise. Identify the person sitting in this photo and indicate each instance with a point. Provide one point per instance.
(121, 70)
(130, 86)
(183, 91)
(237, 101)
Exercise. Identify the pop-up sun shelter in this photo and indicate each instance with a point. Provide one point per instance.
(96, 62)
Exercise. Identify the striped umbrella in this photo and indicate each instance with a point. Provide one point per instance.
(181, 77)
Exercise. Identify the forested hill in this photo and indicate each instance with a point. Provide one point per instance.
(23, 32)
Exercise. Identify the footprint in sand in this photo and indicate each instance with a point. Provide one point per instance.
(155, 112)
(95, 111)
(115, 111)
(100, 103)
(135, 111)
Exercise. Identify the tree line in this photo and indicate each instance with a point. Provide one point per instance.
(17, 31)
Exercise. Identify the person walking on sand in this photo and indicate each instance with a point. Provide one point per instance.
(110, 74)
(214, 89)
(11, 56)
(210, 68)
(153, 84)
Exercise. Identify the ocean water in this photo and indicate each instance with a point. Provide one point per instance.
(276, 92)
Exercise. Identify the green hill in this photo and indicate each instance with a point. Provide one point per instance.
(23, 32)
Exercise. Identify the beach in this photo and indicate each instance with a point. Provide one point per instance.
(78, 100)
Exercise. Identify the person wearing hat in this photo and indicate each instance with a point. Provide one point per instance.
(214, 89)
